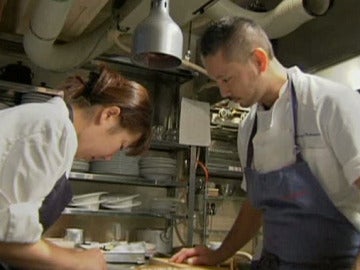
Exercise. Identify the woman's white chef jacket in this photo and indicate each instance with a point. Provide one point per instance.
(328, 133)
(37, 145)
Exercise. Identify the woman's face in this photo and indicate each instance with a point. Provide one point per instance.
(103, 138)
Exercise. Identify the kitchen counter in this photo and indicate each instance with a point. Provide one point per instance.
(121, 266)
(161, 264)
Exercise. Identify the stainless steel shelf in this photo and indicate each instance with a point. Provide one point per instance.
(25, 88)
(222, 174)
(133, 212)
(124, 179)
(165, 145)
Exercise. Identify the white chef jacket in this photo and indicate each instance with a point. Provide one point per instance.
(37, 146)
(328, 134)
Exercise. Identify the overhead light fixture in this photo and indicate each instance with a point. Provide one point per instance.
(157, 40)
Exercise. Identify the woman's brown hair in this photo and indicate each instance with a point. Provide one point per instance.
(110, 88)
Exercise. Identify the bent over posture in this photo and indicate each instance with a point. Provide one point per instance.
(300, 150)
(38, 142)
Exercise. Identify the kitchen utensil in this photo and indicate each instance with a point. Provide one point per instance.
(162, 238)
(75, 235)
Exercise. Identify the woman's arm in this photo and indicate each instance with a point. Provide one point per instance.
(45, 255)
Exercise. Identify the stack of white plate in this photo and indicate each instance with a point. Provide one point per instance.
(4, 106)
(157, 168)
(8, 97)
(89, 201)
(80, 166)
(120, 201)
(34, 97)
(119, 164)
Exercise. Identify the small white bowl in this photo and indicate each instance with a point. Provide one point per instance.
(214, 244)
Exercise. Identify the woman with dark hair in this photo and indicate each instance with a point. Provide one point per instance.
(97, 118)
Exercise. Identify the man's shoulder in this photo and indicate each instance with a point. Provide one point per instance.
(314, 90)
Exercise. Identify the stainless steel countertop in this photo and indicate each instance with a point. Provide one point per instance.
(122, 266)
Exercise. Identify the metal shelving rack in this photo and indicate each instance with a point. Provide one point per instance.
(178, 76)
(123, 179)
(12, 87)
(145, 212)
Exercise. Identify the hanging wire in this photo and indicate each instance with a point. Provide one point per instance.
(188, 52)
(204, 168)
(180, 238)
(186, 61)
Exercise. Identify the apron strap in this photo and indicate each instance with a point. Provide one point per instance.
(71, 113)
(294, 107)
(250, 151)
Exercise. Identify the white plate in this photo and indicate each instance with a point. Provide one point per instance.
(149, 176)
(117, 198)
(111, 206)
(89, 202)
(77, 198)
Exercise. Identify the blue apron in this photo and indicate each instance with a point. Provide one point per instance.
(302, 228)
(53, 204)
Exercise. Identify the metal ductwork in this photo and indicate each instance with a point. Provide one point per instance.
(45, 26)
(283, 19)
(49, 17)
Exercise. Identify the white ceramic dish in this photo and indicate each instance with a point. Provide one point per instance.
(157, 176)
(118, 207)
(87, 197)
(86, 203)
(3, 106)
(118, 198)
(214, 244)
(89, 201)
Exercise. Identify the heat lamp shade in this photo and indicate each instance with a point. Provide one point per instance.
(158, 40)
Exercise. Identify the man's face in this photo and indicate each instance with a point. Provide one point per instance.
(236, 79)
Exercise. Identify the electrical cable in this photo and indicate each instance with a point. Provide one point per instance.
(181, 240)
(205, 169)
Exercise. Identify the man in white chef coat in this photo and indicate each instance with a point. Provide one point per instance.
(300, 150)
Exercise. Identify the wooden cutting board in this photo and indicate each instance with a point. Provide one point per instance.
(164, 263)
